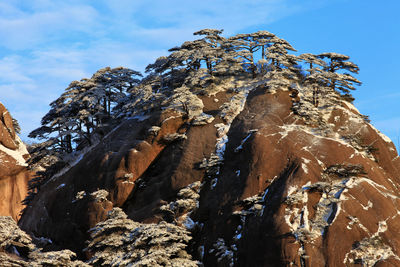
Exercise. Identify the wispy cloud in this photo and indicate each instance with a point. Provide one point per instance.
(46, 44)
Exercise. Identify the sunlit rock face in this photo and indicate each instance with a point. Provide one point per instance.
(258, 177)
(14, 176)
(302, 185)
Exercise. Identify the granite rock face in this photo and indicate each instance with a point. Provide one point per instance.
(258, 177)
(14, 175)
(319, 190)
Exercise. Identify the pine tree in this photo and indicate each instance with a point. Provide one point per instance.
(246, 46)
(16, 126)
(342, 82)
(184, 65)
(316, 78)
(283, 70)
(312, 60)
(84, 107)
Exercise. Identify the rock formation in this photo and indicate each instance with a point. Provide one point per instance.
(14, 176)
(282, 182)
(239, 164)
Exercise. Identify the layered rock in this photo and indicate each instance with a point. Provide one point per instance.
(260, 177)
(14, 176)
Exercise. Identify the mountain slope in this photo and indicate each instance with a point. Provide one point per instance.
(282, 181)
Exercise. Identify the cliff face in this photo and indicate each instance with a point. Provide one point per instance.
(13, 174)
(259, 177)
(315, 190)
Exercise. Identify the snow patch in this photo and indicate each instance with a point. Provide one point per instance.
(350, 106)
(291, 189)
(369, 205)
(383, 136)
(60, 186)
(304, 166)
(240, 147)
(18, 153)
(140, 117)
(189, 223)
(221, 146)
(214, 183)
(202, 119)
(326, 210)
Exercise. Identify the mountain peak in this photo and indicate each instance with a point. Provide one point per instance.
(231, 161)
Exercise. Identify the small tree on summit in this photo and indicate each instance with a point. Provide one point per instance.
(318, 81)
(342, 82)
(83, 108)
(112, 84)
(315, 79)
(246, 46)
(312, 60)
(278, 54)
(211, 49)
(283, 69)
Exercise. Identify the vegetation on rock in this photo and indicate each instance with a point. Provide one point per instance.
(241, 142)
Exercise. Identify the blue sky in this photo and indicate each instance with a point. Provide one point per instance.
(45, 44)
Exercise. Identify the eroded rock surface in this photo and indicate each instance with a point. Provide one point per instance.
(295, 190)
(258, 177)
(14, 176)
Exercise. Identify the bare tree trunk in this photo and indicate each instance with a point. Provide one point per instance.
(263, 52)
(262, 57)
(315, 96)
(209, 66)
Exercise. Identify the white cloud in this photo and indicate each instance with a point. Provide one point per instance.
(9, 71)
(26, 30)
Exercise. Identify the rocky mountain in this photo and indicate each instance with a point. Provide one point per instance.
(259, 177)
(14, 175)
(251, 169)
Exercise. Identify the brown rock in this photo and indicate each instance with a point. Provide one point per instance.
(7, 132)
(65, 208)
(279, 188)
(14, 176)
(309, 218)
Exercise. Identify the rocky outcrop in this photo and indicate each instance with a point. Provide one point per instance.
(259, 177)
(301, 190)
(14, 176)
(78, 197)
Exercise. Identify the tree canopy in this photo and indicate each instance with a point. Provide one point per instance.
(84, 107)
(88, 106)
